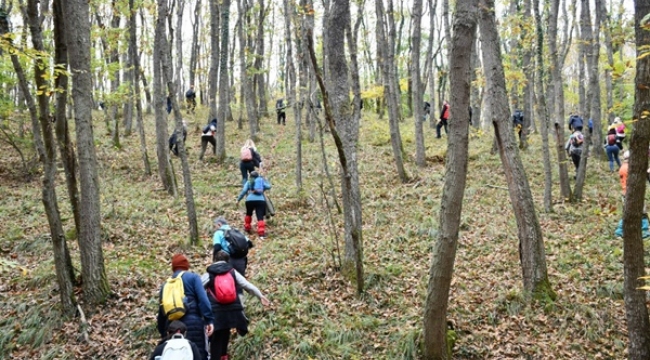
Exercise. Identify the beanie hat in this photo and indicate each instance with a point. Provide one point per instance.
(617, 120)
(255, 174)
(176, 326)
(180, 262)
(220, 220)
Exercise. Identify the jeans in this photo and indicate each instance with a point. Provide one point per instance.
(612, 154)
(443, 122)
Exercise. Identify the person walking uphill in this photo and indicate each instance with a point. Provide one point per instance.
(254, 190)
(237, 250)
(197, 315)
(208, 137)
(176, 339)
(444, 117)
(249, 159)
(612, 148)
(190, 99)
(574, 147)
(279, 108)
(222, 282)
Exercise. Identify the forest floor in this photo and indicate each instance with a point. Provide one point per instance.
(316, 313)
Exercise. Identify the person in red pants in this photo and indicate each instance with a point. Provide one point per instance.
(254, 190)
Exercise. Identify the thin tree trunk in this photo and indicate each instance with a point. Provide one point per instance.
(224, 91)
(213, 76)
(178, 73)
(259, 81)
(133, 48)
(444, 250)
(606, 26)
(417, 84)
(195, 42)
(95, 282)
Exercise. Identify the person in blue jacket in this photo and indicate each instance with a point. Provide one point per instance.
(254, 190)
(198, 317)
(575, 123)
(219, 243)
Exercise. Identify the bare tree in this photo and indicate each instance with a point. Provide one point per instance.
(133, 53)
(213, 76)
(444, 249)
(417, 83)
(95, 282)
(195, 41)
(178, 72)
(224, 87)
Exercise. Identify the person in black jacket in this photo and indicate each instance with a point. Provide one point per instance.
(175, 327)
(227, 316)
(250, 159)
(208, 137)
(173, 140)
(190, 99)
(279, 108)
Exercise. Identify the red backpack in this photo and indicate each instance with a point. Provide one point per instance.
(225, 291)
(611, 139)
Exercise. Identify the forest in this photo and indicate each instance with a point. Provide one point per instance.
(443, 175)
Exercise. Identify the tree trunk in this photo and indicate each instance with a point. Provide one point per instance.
(162, 148)
(602, 11)
(417, 84)
(178, 73)
(224, 88)
(194, 54)
(531, 241)
(593, 92)
(113, 61)
(636, 311)
(213, 76)
(95, 282)
(444, 250)
(290, 78)
(259, 81)
(246, 81)
(133, 49)
(386, 61)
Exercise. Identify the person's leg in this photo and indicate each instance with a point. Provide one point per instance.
(576, 160)
(445, 124)
(610, 157)
(260, 211)
(244, 171)
(204, 144)
(214, 144)
(438, 127)
(250, 206)
(284, 118)
(219, 343)
(616, 157)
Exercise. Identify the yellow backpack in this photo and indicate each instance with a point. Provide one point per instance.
(172, 298)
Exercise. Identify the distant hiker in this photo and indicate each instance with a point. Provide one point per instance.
(612, 149)
(169, 105)
(190, 99)
(427, 111)
(279, 109)
(254, 191)
(173, 140)
(619, 127)
(518, 122)
(195, 311)
(575, 123)
(249, 159)
(208, 137)
(221, 282)
(444, 117)
(227, 239)
(622, 172)
(590, 125)
(469, 108)
(574, 147)
(102, 105)
(175, 345)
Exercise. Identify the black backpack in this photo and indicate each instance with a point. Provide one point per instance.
(237, 242)
(518, 117)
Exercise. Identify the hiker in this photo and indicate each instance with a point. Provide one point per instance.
(622, 173)
(173, 140)
(255, 187)
(575, 123)
(427, 111)
(220, 243)
(619, 127)
(518, 122)
(612, 149)
(190, 99)
(229, 314)
(574, 147)
(444, 116)
(279, 108)
(176, 333)
(169, 105)
(249, 159)
(208, 137)
(198, 316)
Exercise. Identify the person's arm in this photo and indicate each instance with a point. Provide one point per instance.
(196, 355)
(161, 319)
(204, 304)
(267, 185)
(250, 288)
(243, 192)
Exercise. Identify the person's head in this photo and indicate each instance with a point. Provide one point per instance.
(445, 102)
(192, 86)
(180, 262)
(254, 174)
(250, 144)
(617, 120)
(176, 327)
(220, 256)
(219, 222)
(626, 155)
(611, 131)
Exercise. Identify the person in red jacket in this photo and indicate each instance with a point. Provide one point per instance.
(444, 116)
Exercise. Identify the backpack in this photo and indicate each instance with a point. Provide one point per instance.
(576, 141)
(246, 154)
(172, 298)
(177, 348)
(225, 291)
(611, 139)
(237, 243)
(518, 117)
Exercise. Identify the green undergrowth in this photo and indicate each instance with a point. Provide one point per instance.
(316, 313)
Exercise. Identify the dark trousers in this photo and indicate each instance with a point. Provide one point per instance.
(246, 167)
(443, 122)
(259, 206)
(219, 343)
(576, 160)
(204, 144)
(282, 117)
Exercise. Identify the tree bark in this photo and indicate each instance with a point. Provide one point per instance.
(416, 82)
(213, 76)
(133, 49)
(444, 250)
(531, 241)
(178, 73)
(195, 42)
(224, 87)
(636, 311)
(95, 282)
(259, 79)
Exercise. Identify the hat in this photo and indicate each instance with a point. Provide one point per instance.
(220, 220)
(617, 120)
(180, 262)
(255, 174)
(626, 155)
(176, 326)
